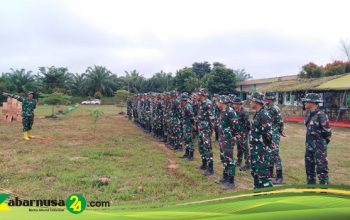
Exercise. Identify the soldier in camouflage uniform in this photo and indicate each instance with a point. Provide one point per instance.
(216, 114)
(228, 129)
(166, 116)
(277, 131)
(318, 134)
(28, 106)
(129, 108)
(175, 122)
(242, 143)
(195, 106)
(260, 142)
(187, 126)
(206, 123)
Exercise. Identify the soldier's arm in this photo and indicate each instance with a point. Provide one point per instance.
(19, 98)
(234, 125)
(246, 120)
(266, 127)
(211, 112)
(326, 130)
(280, 121)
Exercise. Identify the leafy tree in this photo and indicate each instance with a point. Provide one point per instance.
(186, 80)
(100, 79)
(159, 82)
(56, 99)
(54, 79)
(241, 75)
(222, 80)
(311, 70)
(19, 81)
(201, 69)
(77, 85)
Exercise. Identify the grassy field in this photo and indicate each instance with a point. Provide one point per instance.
(66, 157)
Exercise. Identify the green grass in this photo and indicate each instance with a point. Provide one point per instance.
(65, 158)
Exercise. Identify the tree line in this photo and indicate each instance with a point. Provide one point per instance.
(98, 81)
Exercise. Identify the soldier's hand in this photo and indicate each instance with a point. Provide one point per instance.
(5, 94)
(284, 135)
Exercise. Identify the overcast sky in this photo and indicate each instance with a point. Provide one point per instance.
(265, 37)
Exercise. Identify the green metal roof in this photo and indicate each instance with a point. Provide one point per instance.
(341, 83)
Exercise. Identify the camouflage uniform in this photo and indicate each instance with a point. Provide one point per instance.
(260, 142)
(228, 129)
(318, 134)
(242, 143)
(175, 124)
(277, 130)
(187, 125)
(28, 107)
(206, 123)
(129, 108)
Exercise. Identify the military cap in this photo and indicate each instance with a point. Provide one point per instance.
(184, 96)
(257, 97)
(203, 92)
(270, 95)
(312, 97)
(237, 100)
(173, 93)
(224, 99)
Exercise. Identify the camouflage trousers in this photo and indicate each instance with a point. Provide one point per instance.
(187, 137)
(275, 153)
(243, 150)
(175, 133)
(260, 156)
(316, 162)
(204, 145)
(27, 122)
(226, 157)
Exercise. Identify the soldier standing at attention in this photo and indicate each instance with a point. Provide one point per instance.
(242, 143)
(318, 135)
(28, 106)
(187, 126)
(206, 123)
(228, 129)
(260, 142)
(277, 131)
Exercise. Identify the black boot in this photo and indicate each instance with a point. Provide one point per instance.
(190, 155)
(223, 180)
(279, 178)
(230, 184)
(185, 155)
(210, 170)
(204, 164)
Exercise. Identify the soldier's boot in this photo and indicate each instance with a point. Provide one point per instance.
(30, 134)
(210, 169)
(185, 155)
(239, 161)
(190, 156)
(204, 164)
(279, 178)
(311, 180)
(271, 171)
(230, 184)
(223, 180)
(25, 136)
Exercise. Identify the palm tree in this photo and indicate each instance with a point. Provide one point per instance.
(100, 80)
(242, 75)
(20, 80)
(77, 85)
(54, 78)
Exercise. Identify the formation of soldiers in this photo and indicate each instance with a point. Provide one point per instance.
(179, 119)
